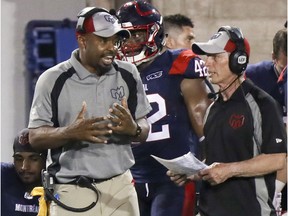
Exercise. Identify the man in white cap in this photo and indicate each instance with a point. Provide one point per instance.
(87, 111)
(245, 140)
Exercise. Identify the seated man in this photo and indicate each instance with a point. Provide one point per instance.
(20, 177)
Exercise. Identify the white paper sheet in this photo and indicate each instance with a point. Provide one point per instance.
(187, 164)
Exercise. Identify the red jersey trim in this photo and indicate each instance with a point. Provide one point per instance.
(181, 63)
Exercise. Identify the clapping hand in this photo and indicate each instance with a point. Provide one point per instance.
(93, 129)
(121, 119)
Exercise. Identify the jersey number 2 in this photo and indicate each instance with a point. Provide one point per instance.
(164, 133)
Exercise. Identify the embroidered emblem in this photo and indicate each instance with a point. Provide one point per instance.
(110, 19)
(236, 121)
(118, 93)
(215, 36)
(28, 196)
(23, 139)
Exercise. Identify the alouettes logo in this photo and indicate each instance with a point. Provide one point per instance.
(118, 93)
(110, 19)
(236, 121)
(23, 139)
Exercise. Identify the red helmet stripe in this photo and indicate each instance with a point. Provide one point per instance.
(142, 13)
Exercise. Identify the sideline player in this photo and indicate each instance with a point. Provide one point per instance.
(18, 179)
(175, 87)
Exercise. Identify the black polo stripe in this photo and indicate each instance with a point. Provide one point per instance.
(54, 167)
(132, 85)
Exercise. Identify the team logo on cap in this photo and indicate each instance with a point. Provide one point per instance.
(23, 139)
(215, 36)
(110, 19)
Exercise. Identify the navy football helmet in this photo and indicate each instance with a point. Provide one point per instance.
(142, 20)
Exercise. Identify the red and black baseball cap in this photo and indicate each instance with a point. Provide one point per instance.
(100, 23)
(21, 142)
(220, 42)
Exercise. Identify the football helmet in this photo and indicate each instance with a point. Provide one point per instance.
(145, 24)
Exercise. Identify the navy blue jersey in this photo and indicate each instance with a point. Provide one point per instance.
(171, 132)
(14, 199)
(263, 74)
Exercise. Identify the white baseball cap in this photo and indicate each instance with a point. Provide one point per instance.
(102, 24)
(218, 43)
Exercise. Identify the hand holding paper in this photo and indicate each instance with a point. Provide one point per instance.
(187, 164)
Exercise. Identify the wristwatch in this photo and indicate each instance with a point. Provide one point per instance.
(138, 130)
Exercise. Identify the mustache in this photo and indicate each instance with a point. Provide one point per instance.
(22, 173)
(110, 53)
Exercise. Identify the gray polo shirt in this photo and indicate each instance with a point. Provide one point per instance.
(59, 94)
